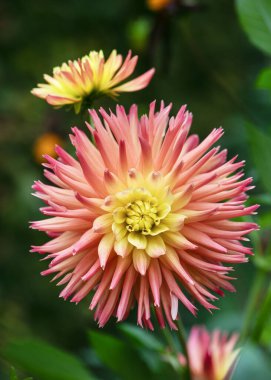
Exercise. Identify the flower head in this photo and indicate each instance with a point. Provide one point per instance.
(144, 217)
(211, 356)
(89, 77)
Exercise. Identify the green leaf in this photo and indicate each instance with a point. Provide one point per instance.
(263, 199)
(141, 337)
(119, 357)
(266, 334)
(12, 374)
(263, 262)
(264, 79)
(260, 146)
(252, 365)
(255, 17)
(45, 361)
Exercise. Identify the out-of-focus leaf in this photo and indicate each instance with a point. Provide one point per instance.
(44, 361)
(141, 337)
(255, 17)
(264, 79)
(265, 220)
(252, 365)
(119, 357)
(266, 334)
(263, 199)
(147, 345)
(260, 144)
(138, 32)
(12, 374)
(263, 262)
(229, 321)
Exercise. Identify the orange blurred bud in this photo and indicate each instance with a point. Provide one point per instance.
(45, 144)
(158, 5)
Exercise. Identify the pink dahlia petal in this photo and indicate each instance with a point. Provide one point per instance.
(144, 218)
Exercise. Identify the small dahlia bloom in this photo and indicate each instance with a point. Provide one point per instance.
(90, 77)
(211, 356)
(144, 217)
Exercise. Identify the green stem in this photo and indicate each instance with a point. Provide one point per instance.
(263, 317)
(252, 304)
(169, 340)
(182, 340)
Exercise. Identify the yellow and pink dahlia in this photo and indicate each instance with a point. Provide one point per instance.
(211, 356)
(91, 76)
(144, 217)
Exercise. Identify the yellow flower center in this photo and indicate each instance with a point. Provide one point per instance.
(142, 216)
(139, 214)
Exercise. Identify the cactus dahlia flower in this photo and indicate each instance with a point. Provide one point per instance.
(211, 356)
(89, 77)
(144, 217)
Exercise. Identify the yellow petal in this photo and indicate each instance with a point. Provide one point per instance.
(119, 215)
(137, 239)
(156, 230)
(163, 210)
(119, 231)
(123, 247)
(102, 223)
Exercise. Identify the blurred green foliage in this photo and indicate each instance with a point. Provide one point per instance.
(203, 59)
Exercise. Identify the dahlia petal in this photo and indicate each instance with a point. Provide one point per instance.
(155, 246)
(86, 240)
(177, 240)
(95, 268)
(201, 238)
(156, 230)
(119, 215)
(55, 100)
(109, 306)
(121, 267)
(126, 292)
(141, 261)
(103, 285)
(174, 288)
(123, 247)
(102, 223)
(119, 231)
(171, 259)
(136, 84)
(104, 248)
(137, 239)
(166, 302)
(174, 306)
(155, 279)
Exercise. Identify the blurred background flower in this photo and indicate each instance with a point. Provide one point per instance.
(212, 356)
(158, 5)
(45, 144)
